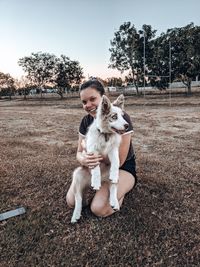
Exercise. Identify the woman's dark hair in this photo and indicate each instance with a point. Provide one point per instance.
(93, 83)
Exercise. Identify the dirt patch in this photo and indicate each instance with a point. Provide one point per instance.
(159, 222)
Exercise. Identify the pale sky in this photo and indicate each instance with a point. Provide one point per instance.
(81, 29)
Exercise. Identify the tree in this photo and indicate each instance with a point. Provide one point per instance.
(186, 53)
(184, 44)
(114, 81)
(174, 54)
(23, 86)
(44, 68)
(127, 51)
(6, 84)
(39, 68)
(67, 73)
(158, 62)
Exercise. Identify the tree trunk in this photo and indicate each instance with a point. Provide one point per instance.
(61, 95)
(10, 94)
(40, 92)
(24, 94)
(189, 83)
(135, 82)
(136, 87)
(60, 92)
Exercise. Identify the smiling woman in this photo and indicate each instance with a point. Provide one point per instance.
(91, 93)
(91, 96)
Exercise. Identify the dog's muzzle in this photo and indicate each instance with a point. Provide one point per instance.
(121, 131)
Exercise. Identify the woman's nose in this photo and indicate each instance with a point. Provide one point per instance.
(88, 105)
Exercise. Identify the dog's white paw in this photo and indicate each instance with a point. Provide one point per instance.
(76, 216)
(96, 187)
(114, 179)
(73, 220)
(96, 183)
(114, 203)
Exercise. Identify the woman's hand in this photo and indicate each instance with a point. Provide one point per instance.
(89, 160)
(92, 160)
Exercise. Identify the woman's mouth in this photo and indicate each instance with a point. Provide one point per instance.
(92, 110)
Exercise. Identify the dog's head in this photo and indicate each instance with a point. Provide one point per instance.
(110, 115)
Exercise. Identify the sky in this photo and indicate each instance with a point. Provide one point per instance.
(81, 29)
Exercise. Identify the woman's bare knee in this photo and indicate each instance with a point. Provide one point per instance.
(101, 209)
(70, 200)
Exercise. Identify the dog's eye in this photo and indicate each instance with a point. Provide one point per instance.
(114, 116)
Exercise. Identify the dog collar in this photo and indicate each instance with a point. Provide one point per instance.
(106, 135)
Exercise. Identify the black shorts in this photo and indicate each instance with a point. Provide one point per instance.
(130, 166)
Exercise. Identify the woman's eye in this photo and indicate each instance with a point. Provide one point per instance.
(84, 102)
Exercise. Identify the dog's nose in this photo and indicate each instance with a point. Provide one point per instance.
(126, 126)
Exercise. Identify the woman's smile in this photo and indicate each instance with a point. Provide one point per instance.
(90, 99)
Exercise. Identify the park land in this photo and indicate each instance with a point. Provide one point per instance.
(158, 224)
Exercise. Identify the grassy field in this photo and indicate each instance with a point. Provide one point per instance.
(159, 222)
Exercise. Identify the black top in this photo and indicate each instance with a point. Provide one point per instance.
(88, 119)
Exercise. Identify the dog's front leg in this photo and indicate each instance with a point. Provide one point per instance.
(96, 178)
(114, 177)
(114, 203)
(114, 165)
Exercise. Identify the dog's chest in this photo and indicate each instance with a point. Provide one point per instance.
(101, 143)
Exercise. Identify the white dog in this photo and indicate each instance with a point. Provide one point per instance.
(103, 137)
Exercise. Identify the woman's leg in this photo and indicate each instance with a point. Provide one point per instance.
(80, 182)
(70, 198)
(100, 204)
(87, 197)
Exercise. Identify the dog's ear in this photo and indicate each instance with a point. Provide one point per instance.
(119, 102)
(105, 105)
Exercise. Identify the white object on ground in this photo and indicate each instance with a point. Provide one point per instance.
(12, 213)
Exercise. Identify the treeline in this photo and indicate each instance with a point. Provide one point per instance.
(173, 56)
(148, 60)
(44, 70)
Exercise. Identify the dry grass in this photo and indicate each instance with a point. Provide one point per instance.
(158, 224)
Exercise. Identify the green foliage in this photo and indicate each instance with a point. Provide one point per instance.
(39, 67)
(6, 85)
(114, 82)
(123, 47)
(67, 73)
(127, 50)
(44, 68)
(185, 45)
(174, 54)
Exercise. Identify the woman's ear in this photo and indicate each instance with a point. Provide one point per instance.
(119, 102)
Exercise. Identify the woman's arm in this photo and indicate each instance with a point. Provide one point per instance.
(91, 160)
(124, 147)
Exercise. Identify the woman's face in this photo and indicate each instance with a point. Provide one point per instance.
(90, 99)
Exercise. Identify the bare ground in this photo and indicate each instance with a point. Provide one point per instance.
(159, 222)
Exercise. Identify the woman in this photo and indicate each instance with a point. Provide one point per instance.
(91, 93)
